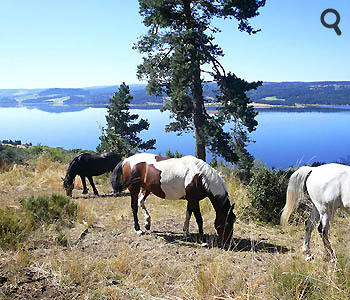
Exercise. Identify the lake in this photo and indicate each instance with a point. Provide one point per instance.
(283, 138)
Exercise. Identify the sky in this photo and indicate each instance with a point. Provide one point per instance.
(82, 43)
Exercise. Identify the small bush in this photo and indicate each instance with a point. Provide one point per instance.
(50, 209)
(267, 194)
(13, 227)
(17, 224)
(52, 154)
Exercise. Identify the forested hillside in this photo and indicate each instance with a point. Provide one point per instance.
(273, 93)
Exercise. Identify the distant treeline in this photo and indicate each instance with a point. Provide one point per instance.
(15, 143)
(275, 93)
(292, 93)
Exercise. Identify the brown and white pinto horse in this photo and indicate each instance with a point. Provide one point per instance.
(176, 178)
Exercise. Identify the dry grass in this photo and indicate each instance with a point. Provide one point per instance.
(105, 259)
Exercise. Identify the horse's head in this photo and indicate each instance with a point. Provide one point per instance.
(117, 180)
(68, 185)
(224, 224)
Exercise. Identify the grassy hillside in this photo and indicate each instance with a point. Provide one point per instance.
(98, 255)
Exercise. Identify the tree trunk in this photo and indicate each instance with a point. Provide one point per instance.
(197, 90)
(198, 115)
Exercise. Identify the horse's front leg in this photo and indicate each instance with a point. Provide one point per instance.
(134, 193)
(93, 185)
(194, 207)
(141, 200)
(83, 181)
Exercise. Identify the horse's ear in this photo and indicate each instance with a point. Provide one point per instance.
(232, 206)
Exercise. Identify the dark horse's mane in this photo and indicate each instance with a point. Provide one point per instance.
(75, 160)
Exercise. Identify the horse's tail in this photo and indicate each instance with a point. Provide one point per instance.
(117, 180)
(295, 192)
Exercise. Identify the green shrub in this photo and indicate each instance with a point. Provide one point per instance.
(53, 154)
(13, 227)
(267, 194)
(17, 224)
(50, 209)
(9, 155)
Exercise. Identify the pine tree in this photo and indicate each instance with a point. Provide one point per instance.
(179, 43)
(120, 135)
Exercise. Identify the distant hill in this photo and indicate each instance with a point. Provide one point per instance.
(272, 93)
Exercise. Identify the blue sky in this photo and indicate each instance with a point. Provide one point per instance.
(80, 43)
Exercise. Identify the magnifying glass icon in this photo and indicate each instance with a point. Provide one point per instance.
(332, 25)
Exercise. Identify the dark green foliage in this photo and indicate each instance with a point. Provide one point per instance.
(13, 227)
(120, 135)
(180, 41)
(292, 93)
(267, 194)
(10, 154)
(49, 209)
(171, 154)
(17, 224)
(54, 154)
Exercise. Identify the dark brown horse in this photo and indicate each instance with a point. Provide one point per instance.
(88, 165)
(176, 178)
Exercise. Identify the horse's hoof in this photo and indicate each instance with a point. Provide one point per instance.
(139, 232)
(148, 226)
(204, 245)
(186, 233)
(309, 257)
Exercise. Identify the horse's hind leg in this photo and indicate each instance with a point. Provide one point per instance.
(141, 200)
(83, 181)
(93, 185)
(323, 229)
(309, 227)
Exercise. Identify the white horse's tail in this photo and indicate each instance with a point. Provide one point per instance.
(295, 192)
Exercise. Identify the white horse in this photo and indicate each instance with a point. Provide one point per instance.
(328, 187)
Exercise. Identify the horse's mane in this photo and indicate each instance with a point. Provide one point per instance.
(74, 160)
(212, 181)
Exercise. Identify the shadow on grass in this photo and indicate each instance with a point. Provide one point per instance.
(237, 244)
(122, 194)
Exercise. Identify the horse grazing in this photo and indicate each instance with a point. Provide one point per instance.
(176, 178)
(88, 165)
(328, 188)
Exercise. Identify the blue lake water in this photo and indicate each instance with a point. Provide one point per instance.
(282, 138)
